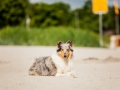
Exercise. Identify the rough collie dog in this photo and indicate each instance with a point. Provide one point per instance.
(60, 63)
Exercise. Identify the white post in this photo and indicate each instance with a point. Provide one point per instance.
(28, 22)
(100, 30)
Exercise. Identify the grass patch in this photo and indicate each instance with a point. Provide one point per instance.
(47, 36)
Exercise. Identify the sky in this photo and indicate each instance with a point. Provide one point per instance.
(73, 3)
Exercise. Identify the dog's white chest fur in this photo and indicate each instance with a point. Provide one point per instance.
(62, 66)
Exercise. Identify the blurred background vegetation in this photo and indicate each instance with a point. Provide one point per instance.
(51, 23)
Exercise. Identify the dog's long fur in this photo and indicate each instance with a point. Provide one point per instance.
(43, 66)
(58, 64)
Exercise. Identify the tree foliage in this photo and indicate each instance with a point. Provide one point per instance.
(88, 20)
(43, 14)
(12, 12)
(57, 14)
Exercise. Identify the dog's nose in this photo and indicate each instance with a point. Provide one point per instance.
(65, 56)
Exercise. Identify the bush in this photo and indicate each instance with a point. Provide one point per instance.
(47, 36)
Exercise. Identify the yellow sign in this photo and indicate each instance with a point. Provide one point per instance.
(100, 6)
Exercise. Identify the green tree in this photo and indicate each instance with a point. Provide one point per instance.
(43, 15)
(109, 20)
(87, 20)
(12, 12)
(90, 21)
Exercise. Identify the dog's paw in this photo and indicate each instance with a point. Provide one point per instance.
(74, 76)
(71, 74)
(59, 75)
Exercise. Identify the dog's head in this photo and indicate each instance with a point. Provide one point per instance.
(65, 50)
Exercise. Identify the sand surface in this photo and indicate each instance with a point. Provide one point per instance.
(97, 69)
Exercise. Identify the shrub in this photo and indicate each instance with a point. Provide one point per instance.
(47, 36)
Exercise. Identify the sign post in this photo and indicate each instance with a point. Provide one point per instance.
(100, 30)
(116, 16)
(100, 7)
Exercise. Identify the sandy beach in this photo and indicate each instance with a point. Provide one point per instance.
(96, 69)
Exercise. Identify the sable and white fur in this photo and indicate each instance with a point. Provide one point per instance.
(58, 64)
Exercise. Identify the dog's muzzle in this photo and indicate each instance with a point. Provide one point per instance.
(65, 56)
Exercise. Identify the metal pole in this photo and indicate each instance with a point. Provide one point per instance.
(117, 24)
(100, 30)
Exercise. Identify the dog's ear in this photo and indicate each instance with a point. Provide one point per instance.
(70, 43)
(59, 44)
